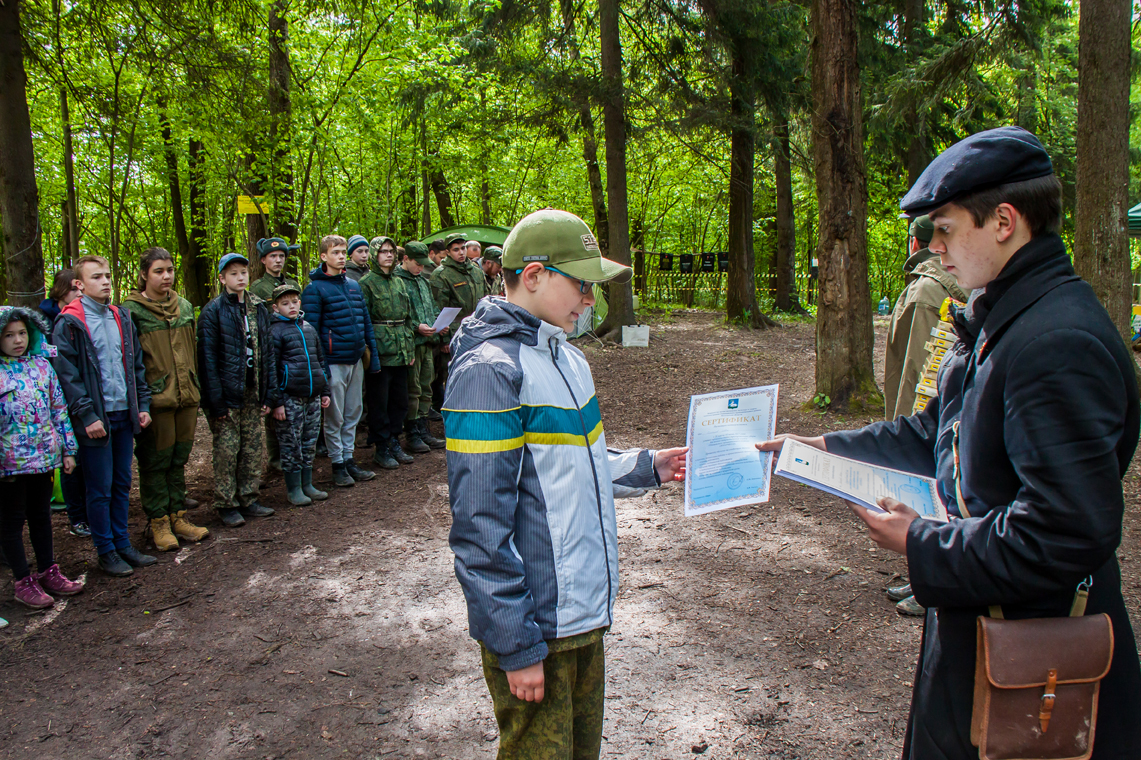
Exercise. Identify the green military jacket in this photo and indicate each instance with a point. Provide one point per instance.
(390, 310)
(169, 340)
(455, 285)
(430, 267)
(478, 279)
(916, 312)
(264, 285)
(424, 309)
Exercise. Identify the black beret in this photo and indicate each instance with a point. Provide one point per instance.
(981, 161)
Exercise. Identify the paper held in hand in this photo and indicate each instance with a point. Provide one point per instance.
(447, 314)
(864, 484)
(723, 467)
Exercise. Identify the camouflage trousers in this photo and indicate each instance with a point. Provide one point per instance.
(163, 449)
(238, 450)
(297, 433)
(420, 376)
(567, 724)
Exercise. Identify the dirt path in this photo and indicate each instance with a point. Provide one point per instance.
(339, 630)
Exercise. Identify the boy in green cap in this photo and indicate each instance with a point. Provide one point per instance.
(423, 369)
(532, 488)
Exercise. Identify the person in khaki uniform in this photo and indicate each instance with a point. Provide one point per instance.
(165, 322)
(423, 369)
(457, 282)
(492, 267)
(916, 312)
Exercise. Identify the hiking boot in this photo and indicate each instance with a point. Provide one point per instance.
(113, 564)
(254, 509)
(898, 593)
(231, 518)
(189, 503)
(186, 530)
(54, 582)
(434, 415)
(356, 473)
(81, 530)
(293, 490)
(399, 454)
(164, 540)
(275, 464)
(427, 437)
(416, 444)
(308, 488)
(910, 607)
(341, 476)
(136, 558)
(382, 457)
(29, 594)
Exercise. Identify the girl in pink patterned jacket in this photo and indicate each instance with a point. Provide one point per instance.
(35, 438)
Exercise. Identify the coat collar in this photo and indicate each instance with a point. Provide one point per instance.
(1034, 270)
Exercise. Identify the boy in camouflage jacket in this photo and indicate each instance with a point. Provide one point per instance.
(420, 374)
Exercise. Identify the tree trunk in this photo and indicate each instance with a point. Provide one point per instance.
(196, 269)
(1101, 247)
(786, 221)
(257, 225)
(443, 196)
(280, 123)
(844, 338)
(71, 228)
(914, 42)
(620, 296)
(171, 157)
(485, 194)
(19, 196)
(409, 211)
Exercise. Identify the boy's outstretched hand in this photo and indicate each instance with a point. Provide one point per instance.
(670, 464)
(527, 684)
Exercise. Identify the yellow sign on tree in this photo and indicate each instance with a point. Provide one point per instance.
(252, 204)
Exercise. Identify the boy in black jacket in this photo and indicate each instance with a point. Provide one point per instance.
(233, 371)
(298, 391)
(100, 368)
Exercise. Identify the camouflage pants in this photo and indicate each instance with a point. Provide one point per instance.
(238, 450)
(163, 449)
(567, 724)
(420, 376)
(297, 433)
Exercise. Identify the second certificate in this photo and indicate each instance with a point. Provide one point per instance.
(724, 468)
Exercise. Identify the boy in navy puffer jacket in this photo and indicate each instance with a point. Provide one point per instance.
(333, 304)
(532, 487)
(298, 391)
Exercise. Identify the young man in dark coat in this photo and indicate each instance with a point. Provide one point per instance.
(1039, 397)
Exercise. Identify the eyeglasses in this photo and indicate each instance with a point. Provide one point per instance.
(583, 286)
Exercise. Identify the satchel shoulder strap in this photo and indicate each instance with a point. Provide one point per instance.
(1081, 595)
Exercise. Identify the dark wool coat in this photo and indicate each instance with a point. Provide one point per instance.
(297, 362)
(222, 352)
(81, 379)
(1046, 395)
(335, 307)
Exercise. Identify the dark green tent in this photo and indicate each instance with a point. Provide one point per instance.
(1135, 221)
(484, 234)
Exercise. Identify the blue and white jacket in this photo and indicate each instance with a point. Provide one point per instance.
(532, 484)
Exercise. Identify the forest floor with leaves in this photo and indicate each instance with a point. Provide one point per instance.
(339, 630)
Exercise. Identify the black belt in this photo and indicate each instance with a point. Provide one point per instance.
(389, 322)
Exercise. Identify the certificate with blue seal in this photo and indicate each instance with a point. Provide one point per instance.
(723, 467)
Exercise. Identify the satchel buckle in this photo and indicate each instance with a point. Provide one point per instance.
(1048, 699)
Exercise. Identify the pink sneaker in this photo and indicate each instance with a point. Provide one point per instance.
(54, 582)
(29, 593)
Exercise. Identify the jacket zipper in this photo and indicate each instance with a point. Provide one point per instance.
(308, 363)
(553, 347)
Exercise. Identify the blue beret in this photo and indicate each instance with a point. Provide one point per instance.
(981, 161)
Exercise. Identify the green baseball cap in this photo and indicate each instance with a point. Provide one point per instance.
(284, 289)
(561, 240)
(493, 253)
(455, 237)
(922, 229)
(417, 251)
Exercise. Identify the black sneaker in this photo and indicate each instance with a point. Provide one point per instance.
(135, 558)
(231, 518)
(113, 564)
(253, 509)
(358, 474)
(81, 530)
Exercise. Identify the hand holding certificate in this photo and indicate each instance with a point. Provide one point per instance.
(724, 468)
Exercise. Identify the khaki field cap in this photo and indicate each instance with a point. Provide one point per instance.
(561, 240)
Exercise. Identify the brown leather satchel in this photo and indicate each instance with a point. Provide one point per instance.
(1036, 686)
